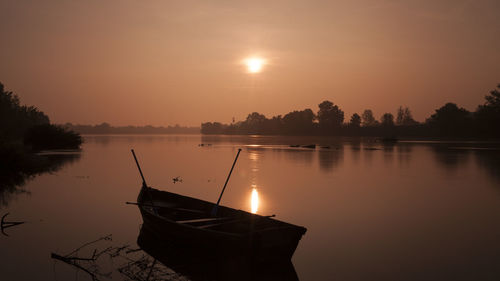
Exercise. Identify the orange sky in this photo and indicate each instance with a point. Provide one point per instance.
(167, 62)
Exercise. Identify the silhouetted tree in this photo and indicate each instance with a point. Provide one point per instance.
(103, 128)
(255, 119)
(330, 117)
(48, 136)
(24, 129)
(387, 120)
(274, 125)
(404, 117)
(255, 123)
(367, 119)
(299, 122)
(487, 116)
(213, 128)
(493, 99)
(450, 120)
(355, 121)
(16, 119)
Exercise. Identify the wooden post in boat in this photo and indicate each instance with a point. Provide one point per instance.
(144, 185)
(139, 167)
(214, 210)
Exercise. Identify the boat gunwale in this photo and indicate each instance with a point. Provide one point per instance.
(284, 225)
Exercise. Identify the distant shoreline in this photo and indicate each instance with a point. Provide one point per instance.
(319, 137)
(134, 134)
(107, 129)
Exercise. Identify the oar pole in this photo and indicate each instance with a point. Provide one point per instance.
(214, 210)
(139, 167)
(144, 185)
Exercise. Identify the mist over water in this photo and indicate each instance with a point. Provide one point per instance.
(374, 211)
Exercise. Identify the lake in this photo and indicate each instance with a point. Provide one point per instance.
(423, 210)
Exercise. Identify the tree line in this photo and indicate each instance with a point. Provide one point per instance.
(105, 128)
(25, 130)
(449, 120)
(28, 126)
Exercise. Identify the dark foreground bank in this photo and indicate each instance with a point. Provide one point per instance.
(24, 132)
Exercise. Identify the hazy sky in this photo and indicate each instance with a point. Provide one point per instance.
(167, 62)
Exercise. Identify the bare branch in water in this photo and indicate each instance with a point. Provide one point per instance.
(106, 238)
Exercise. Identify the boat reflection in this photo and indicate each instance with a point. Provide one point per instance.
(187, 260)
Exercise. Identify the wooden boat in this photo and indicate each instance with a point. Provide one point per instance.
(213, 228)
(189, 220)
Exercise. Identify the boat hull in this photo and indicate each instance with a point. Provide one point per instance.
(258, 237)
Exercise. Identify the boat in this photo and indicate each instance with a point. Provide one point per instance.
(190, 220)
(213, 228)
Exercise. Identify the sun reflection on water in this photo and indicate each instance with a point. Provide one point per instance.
(254, 202)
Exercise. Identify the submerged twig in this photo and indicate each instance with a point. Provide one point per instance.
(93, 271)
(71, 261)
(107, 237)
(132, 264)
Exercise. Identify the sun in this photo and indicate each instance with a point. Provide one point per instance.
(254, 64)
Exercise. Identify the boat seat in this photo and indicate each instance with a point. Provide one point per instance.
(202, 220)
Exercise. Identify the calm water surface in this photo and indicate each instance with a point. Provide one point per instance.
(409, 211)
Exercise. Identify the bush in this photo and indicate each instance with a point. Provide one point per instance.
(49, 136)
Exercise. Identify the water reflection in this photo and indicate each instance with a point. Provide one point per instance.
(331, 159)
(106, 140)
(404, 153)
(355, 148)
(388, 148)
(378, 214)
(254, 201)
(254, 155)
(457, 157)
(12, 180)
(161, 259)
(300, 155)
(196, 265)
(451, 159)
(489, 161)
